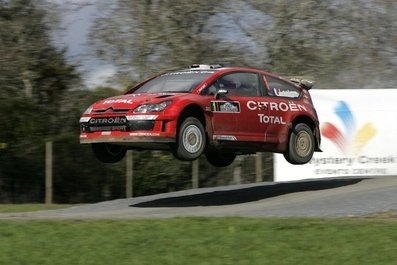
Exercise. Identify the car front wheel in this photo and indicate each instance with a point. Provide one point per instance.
(191, 140)
(300, 145)
(108, 153)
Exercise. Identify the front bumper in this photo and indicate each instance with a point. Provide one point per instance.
(123, 130)
(122, 138)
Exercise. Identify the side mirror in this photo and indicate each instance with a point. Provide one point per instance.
(220, 93)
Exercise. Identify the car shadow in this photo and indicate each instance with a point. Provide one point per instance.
(244, 195)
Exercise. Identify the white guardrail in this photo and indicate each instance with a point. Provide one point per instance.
(359, 136)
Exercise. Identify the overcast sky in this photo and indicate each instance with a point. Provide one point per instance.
(77, 17)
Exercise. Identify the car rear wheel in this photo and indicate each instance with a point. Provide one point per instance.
(191, 140)
(108, 153)
(220, 159)
(301, 145)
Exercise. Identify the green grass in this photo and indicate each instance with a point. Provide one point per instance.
(200, 241)
(15, 208)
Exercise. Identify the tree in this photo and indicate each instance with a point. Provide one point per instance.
(34, 78)
(347, 44)
(148, 35)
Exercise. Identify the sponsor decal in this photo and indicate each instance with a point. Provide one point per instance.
(111, 101)
(271, 119)
(202, 87)
(107, 129)
(285, 93)
(225, 106)
(275, 106)
(144, 134)
(225, 137)
(141, 117)
(108, 120)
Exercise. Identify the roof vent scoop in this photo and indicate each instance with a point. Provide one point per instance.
(205, 66)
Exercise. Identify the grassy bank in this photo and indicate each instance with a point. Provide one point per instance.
(200, 241)
(30, 207)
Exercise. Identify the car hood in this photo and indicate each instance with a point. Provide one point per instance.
(131, 101)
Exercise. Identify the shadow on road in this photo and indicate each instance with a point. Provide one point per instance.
(244, 195)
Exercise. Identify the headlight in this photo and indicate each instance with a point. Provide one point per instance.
(152, 107)
(88, 111)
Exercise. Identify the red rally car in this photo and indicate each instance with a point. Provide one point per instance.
(207, 109)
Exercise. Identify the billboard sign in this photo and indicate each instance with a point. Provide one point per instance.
(359, 136)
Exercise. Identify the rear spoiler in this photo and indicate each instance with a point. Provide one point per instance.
(303, 82)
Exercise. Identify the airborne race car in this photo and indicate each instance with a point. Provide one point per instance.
(207, 109)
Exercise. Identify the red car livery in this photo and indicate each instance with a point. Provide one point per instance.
(207, 109)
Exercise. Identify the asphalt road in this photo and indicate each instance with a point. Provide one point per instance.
(329, 198)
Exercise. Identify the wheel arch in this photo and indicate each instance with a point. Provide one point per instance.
(192, 110)
(313, 126)
(181, 148)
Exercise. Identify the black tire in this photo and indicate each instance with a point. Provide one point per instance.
(301, 145)
(191, 140)
(108, 153)
(220, 159)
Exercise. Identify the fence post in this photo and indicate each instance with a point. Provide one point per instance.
(129, 174)
(237, 169)
(48, 172)
(195, 173)
(258, 167)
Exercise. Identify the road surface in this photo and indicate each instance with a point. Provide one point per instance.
(326, 198)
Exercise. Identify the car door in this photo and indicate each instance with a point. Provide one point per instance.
(253, 108)
(236, 114)
(223, 111)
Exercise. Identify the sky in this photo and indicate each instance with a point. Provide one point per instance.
(228, 27)
(76, 20)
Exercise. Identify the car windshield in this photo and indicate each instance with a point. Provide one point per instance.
(173, 82)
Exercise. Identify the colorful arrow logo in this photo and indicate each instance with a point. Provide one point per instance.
(352, 140)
